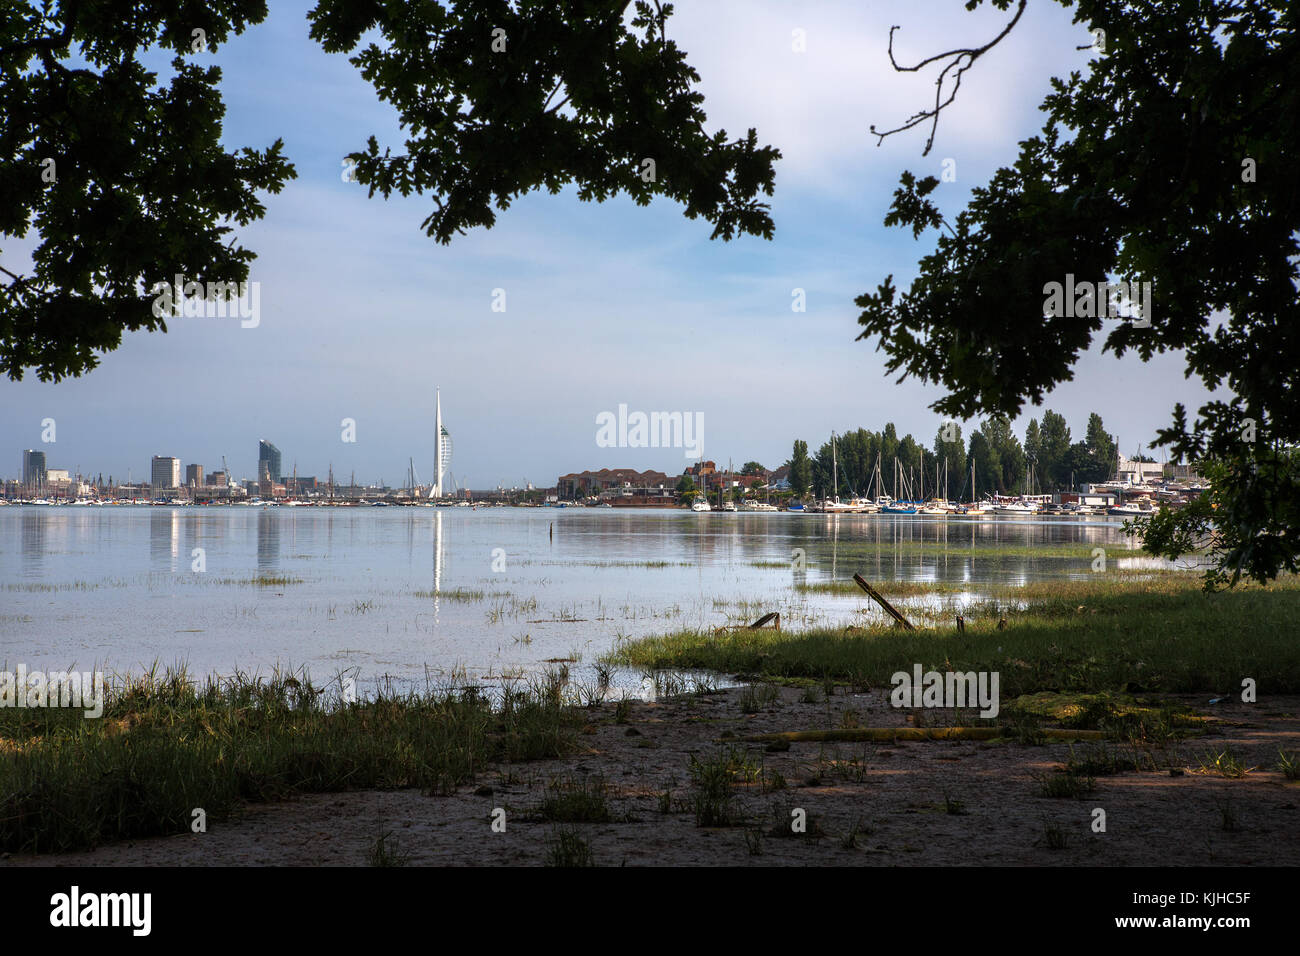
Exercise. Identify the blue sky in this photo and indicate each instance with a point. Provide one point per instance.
(362, 314)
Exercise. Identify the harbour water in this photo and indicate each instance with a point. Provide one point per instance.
(416, 593)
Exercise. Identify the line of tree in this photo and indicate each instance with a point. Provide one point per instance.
(1045, 461)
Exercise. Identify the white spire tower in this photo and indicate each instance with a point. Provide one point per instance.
(437, 449)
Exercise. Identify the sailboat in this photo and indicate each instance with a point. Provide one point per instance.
(937, 505)
(833, 505)
(975, 508)
(895, 506)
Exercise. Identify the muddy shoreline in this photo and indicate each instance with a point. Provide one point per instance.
(933, 802)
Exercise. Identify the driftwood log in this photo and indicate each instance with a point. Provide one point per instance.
(772, 618)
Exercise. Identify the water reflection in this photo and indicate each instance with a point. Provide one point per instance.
(164, 539)
(369, 586)
(268, 540)
(33, 539)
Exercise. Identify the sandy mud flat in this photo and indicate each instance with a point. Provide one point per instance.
(883, 803)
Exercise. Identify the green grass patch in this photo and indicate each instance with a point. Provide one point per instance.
(167, 745)
(1223, 763)
(566, 847)
(575, 800)
(1118, 635)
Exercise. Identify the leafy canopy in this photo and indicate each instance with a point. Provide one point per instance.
(502, 98)
(1171, 161)
(123, 179)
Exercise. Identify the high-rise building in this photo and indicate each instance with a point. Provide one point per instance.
(268, 460)
(193, 476)
(165, 472)
(33, 468)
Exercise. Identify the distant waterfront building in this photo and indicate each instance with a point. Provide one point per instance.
(219, 479)
(700, 472)
(1183, 472)
(1133, 472)
(165, 473)
(33, 468)
(268, 460)
(58, 482)
(571, 486)
(193, 476)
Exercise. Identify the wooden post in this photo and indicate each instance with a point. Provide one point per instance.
(879, 599)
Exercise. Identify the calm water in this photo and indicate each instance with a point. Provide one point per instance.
(383, 591)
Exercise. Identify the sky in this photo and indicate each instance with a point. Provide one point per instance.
(362, 315)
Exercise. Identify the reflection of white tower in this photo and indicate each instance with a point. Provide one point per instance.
(437, 558)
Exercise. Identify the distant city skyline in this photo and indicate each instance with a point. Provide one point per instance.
(270, 454)
(609, 304)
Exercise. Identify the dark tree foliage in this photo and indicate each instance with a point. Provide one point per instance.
(577, 92)
(950, 452)
(503, 97)
(800, 469)
(139, 188)
(1170, 161)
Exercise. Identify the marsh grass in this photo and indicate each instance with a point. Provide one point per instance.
(566, 847)
(274, 580)
(575, 800)
(1288, 764)
(1093, 761)
(713, 783)
(859, 828)
(832, 764)
(167, 744)
(755, 697)
(385, 851)
(1065, 784)
(460, 595)
(1115, 634)
(1224, 763)
(891, 589)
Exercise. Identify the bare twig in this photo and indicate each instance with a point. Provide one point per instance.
(962, 59)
